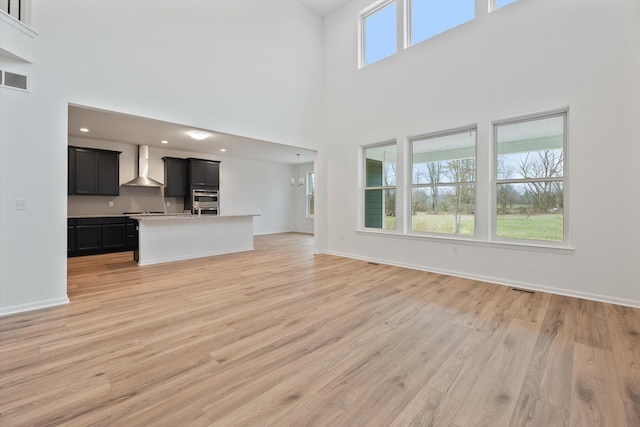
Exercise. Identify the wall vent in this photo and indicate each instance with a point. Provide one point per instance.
(17, 81)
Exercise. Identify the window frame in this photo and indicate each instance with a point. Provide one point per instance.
(565, 242)
(383, 188)
(412, 185)
(311, 182)
(364, 14)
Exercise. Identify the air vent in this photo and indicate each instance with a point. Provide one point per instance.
(17, 81)
(526, 291)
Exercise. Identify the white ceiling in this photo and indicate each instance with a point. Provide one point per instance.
(323, 8)
(128, 129)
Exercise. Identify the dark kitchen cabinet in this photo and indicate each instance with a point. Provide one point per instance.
(204, 173)
(175, 177)
(93, 172)
(86, 171)
(114, 235)
(132, 234)
(88, 236)
(108, 173)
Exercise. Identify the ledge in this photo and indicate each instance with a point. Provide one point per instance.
(173, 217)
(535, 247)
(16, 38)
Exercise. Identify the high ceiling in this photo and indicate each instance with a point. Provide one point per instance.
(128, 129)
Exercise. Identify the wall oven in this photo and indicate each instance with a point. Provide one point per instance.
(206, 202)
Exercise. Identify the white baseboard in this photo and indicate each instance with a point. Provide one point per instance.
(499, 281)
(15, 309)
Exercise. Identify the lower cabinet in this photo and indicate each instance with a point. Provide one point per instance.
(89, 236)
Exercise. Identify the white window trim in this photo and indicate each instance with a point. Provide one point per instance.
(365, 13)
(411, 139)
(407, 23)
(566, 242)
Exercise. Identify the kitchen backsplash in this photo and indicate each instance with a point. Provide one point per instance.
(131, 199)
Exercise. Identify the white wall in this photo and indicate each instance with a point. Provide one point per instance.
(251, 68)
(528, 57)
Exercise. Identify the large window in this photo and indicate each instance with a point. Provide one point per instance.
(380, 186)
(310, 195)
(378, 32)
(529, 170)
(443, 183)
(430, 17)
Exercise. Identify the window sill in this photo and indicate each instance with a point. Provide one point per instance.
(529, 247)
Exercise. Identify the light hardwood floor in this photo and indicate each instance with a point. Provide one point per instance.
(282, 337)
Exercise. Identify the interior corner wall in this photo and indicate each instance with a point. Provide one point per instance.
(527, 57)
(251, 68)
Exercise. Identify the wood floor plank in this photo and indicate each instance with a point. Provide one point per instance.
(596, 399)
(546, 390)
(492, 399)
(427, 408)
(624, 327)
(280, 336)
(592, 329)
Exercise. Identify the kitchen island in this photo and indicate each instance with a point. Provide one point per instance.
(166, 238)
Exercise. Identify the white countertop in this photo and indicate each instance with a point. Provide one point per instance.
(156, 216)
(171, 217)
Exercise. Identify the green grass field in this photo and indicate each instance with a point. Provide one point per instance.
(442, 224)
(513, 226)
(536, 227)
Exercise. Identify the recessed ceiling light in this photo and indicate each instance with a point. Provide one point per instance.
(164, 141)
(223, 149)
(197, 135)
(84, 130)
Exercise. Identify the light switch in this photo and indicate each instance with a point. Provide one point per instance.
(21, 204)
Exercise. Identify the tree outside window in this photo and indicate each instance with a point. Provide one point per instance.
(443, 183)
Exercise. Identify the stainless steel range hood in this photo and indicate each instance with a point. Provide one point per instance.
(143, 180)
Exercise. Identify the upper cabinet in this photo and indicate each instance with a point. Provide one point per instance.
(93, 172)
(175, 177)
(204, 173)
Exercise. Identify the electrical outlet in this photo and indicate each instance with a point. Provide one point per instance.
(168, 203)
(455, 250)
(21, 204)
(111, 203)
